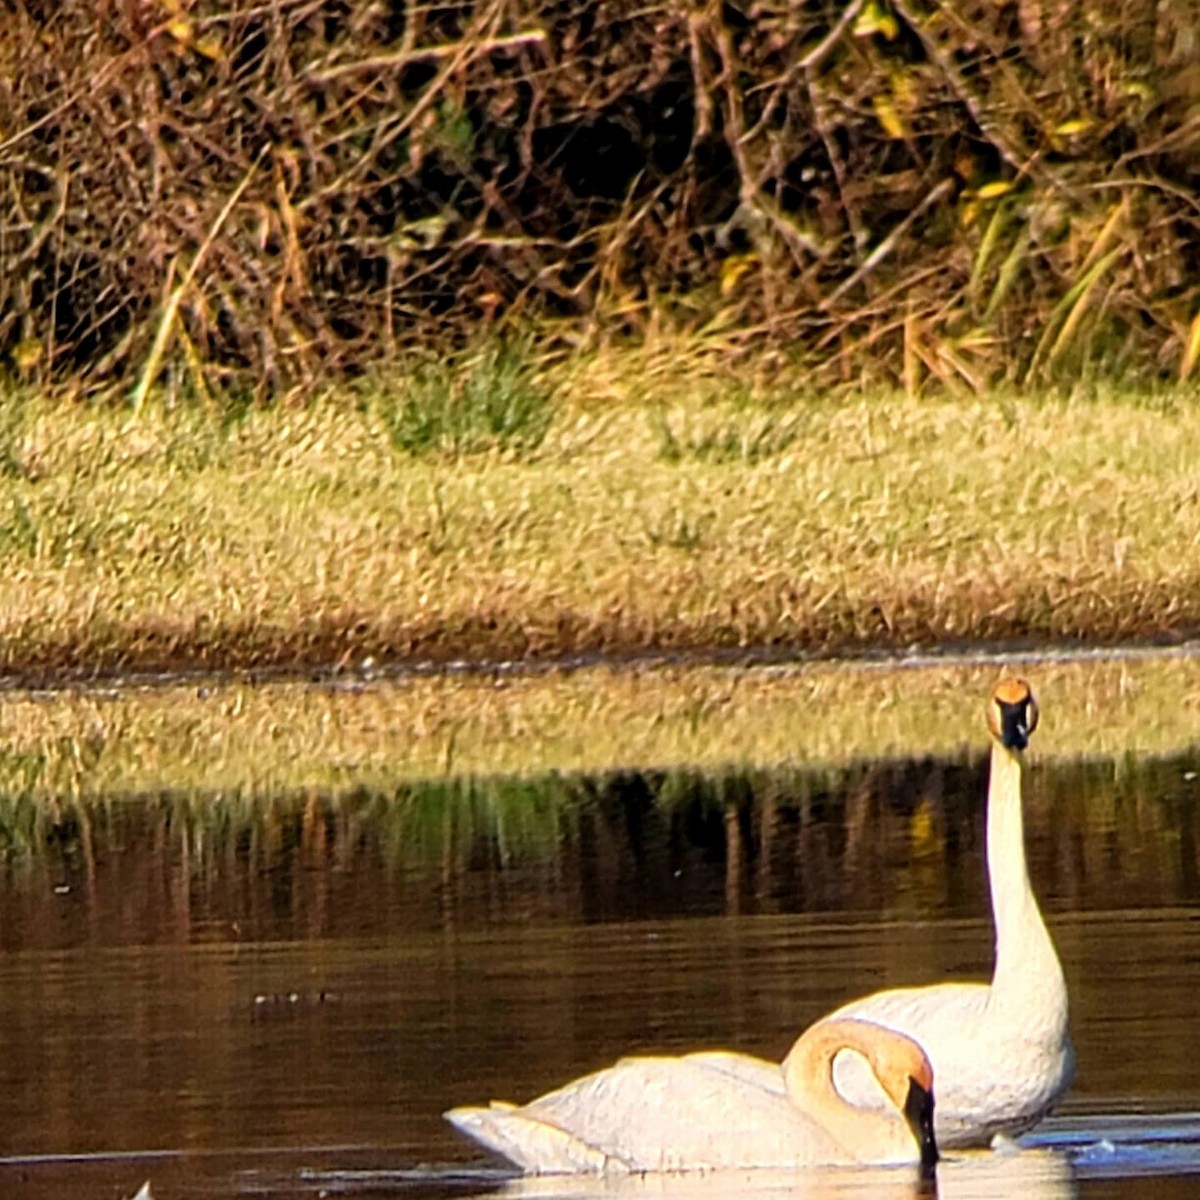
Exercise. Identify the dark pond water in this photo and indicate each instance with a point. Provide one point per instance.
(280, 997)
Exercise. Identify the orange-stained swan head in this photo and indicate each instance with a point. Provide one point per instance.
(906, 1075)
(1012, 715)
(899, 1064)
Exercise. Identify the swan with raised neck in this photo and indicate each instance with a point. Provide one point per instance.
(1002, 1051)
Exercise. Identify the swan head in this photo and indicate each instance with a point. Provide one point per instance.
(906, 1075)
(901, 1068)
(1013, 713)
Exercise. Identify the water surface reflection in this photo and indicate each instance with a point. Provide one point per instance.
(1033, 1175)
(281, 997)
(888, 839)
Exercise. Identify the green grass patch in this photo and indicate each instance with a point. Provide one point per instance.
(745, 437)
(489, 399)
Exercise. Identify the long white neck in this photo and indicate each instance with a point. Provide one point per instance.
(878, 1134)
(1026, 964)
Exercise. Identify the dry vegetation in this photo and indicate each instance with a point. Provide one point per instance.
(254, 742)
(306, 538)
(251, 196)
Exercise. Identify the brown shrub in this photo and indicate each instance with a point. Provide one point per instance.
(291, 189)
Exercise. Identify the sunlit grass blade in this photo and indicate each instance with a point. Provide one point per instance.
(1191, 350)
(1010, 270)
(987, 247)
(1064, 319)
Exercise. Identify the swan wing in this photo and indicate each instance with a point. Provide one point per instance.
(945, 1020)
(934, 1012)
(533, 1145)
(758, 1072)
(988, 1078)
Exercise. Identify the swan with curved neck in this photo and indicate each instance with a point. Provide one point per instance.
(1001, 1051)
(700, 1112)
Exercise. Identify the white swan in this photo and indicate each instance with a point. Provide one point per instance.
(1001, 1052)
(699, 1112)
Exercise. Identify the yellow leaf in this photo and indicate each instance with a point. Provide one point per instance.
(210, 47)
(181, 30)
(888, 117)
(875, 18)
(904, 89)
(27, 354)
(989, 191)
(1074, 126)
(733, 269)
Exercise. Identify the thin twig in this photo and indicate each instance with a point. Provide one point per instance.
(387, 62)
(166, 323)
(389, 132)
(57, 111)
(888, 244)
(821, 51)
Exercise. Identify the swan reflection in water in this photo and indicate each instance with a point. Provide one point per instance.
(967, 1175)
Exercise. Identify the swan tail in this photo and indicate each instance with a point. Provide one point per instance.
(535, 1146)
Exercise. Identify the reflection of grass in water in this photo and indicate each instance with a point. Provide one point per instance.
(271, 740)
(22, 825)
(450, 822)
(900, 836)
(449, 825)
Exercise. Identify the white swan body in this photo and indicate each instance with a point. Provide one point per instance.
(1002, 1052)
(701, 1112)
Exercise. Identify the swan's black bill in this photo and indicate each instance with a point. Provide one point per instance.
(1017, 721)
(918, 1112)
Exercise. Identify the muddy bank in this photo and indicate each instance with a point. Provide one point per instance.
(362, 649)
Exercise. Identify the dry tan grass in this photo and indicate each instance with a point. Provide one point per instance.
(263, 740)
(298, 537)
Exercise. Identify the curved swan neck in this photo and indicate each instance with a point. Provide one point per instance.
(1025, 957)
(808, 1077)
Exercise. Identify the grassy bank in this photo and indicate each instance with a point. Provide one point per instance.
(614, 517)
(254, 742)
